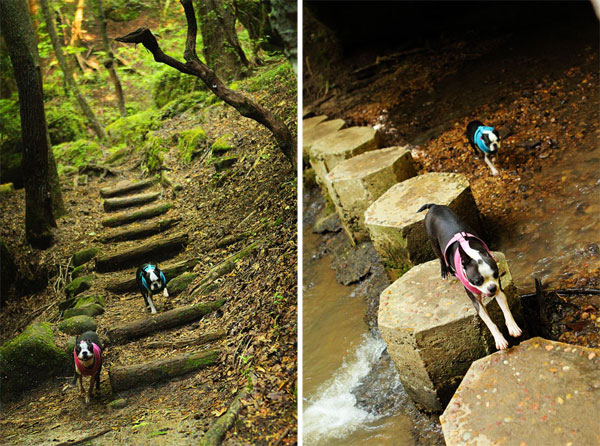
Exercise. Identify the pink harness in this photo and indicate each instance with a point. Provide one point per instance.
(461, 238)
(83, 369)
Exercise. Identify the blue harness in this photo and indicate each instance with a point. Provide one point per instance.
(479, 140)
(163, 279)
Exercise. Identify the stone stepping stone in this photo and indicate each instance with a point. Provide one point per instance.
(539, 393)
(329, 151)
(156, 250)
(397, 229)
(77, 325)
(433, 333)
(84, 256)
(315, 128)
(125, 187)
(145, 213)
(79, 285)
(112, 204)
(359, 181)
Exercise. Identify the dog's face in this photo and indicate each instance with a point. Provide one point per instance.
(85, 352)
(152, 278)
(491, 140)
(482, 272)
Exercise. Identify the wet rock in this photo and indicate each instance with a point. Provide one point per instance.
(557, 398)
(77, 325)
(327, 223)
(30, 358)
(353, 263)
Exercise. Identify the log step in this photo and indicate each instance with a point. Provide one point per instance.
(141, 231)
(151, 251)
(161, 321)
(126, 187)
(127, 283)
(141, 214)
(111, 204)
(127, 377)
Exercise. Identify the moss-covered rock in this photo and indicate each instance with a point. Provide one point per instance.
(78, 324)
(84, 310)
(79, 271)
(79, 285)
(30, 358)
(224, 163)
(190, 143)
(70, 346)
(90, 299)
(118, 154)
(222, 145)
(182, 104)
(76, 153)
(84, 256)
(178, 284)
(154, 150)
(65, 123)
(132, 129)
(172, 85)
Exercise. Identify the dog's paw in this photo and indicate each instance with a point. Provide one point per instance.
(165, 293)
(501, 343)
(513, 329)
(87, 400)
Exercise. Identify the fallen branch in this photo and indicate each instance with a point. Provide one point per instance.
(200, 340)
(215, 434)
(127, 377)
(162, 321)
(154, 250)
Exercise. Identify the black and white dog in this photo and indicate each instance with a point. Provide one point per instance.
(484, 139)
(151, 280)
(88, 361)
(464, 255)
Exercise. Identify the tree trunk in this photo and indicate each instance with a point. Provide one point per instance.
(58, 203)
(126, 187)
(109, 63)
(22, 45)
(141, 214)
(140, 231)
(170, 271)
(161, 321)
(155, 250)
(148, 373)
(283, 21)
(76, 32)
(111, 204)
(222, 49)
(68, 75)
(200, 340)
(244, 105)
(254, 16)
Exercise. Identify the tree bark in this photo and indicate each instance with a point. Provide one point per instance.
(127, 377)
(22, 45)
(222, 49)
(131, 216)
(109, 63)
(140, 231)
(170, 271)
(110, 204)
(68, 75)
(200, 340)
(76, 32)
(155, 250)
(126, 187)
(244, 105)
(161, 321)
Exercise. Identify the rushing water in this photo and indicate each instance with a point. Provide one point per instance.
(340, 355)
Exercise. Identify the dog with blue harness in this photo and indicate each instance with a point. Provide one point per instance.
(151, 281)
(484, 139)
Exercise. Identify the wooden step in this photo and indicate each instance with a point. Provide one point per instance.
(141, 231)
(124, 218)
(112, 204)
(125, 187)
(126, 283)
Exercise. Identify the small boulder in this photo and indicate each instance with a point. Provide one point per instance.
(30, 358)
(79, 285)
(78, 324)
(90, 299)
(81, 257)
(90, 310)
(222, 145)
(327, 223)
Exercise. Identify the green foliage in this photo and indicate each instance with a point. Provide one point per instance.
(154, 150)
(274, 78)
(76, 153)
(133, 129)
(181, 104)
(222, 144)
(10, 118)
(189, 143)
(65, 123)
(170, 84)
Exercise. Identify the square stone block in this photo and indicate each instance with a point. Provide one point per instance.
(397, 230)
(433, 332)
(316, 128)
(359, 181)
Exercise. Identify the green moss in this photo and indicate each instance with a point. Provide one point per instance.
(181, 104)
(133, 129)
(79, 285)
(78, 272)
(77, 325)
(90, 299)
(180, 283)
(30, 358)
(272, 78)
(189, 143)
(222, 144)
(84, 256)
(77, 153)
(65, 123)
(90, 310)
(118, 153)
(155, 149)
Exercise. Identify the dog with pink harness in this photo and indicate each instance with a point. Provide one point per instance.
(464, 255)
(88, 361)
